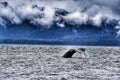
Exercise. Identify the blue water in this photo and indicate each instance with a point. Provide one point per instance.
(29, 34)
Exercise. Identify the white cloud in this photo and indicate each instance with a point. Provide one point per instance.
(77, 17)
(81, 11)
(97, 19)
(7, 13)
(2, 22)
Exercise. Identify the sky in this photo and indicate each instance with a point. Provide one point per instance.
(80, 12)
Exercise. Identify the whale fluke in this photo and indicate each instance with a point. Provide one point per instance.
(69, 53)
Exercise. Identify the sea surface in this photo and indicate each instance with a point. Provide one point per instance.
(45, 62)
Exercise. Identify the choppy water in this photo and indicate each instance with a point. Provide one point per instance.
(37, 62)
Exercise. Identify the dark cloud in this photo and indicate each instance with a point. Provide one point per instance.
(43, 12)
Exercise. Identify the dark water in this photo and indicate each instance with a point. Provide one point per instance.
(29, 34)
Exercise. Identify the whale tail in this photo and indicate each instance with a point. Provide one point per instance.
(71, 52)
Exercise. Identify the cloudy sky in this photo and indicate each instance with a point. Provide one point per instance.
(80, 11)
